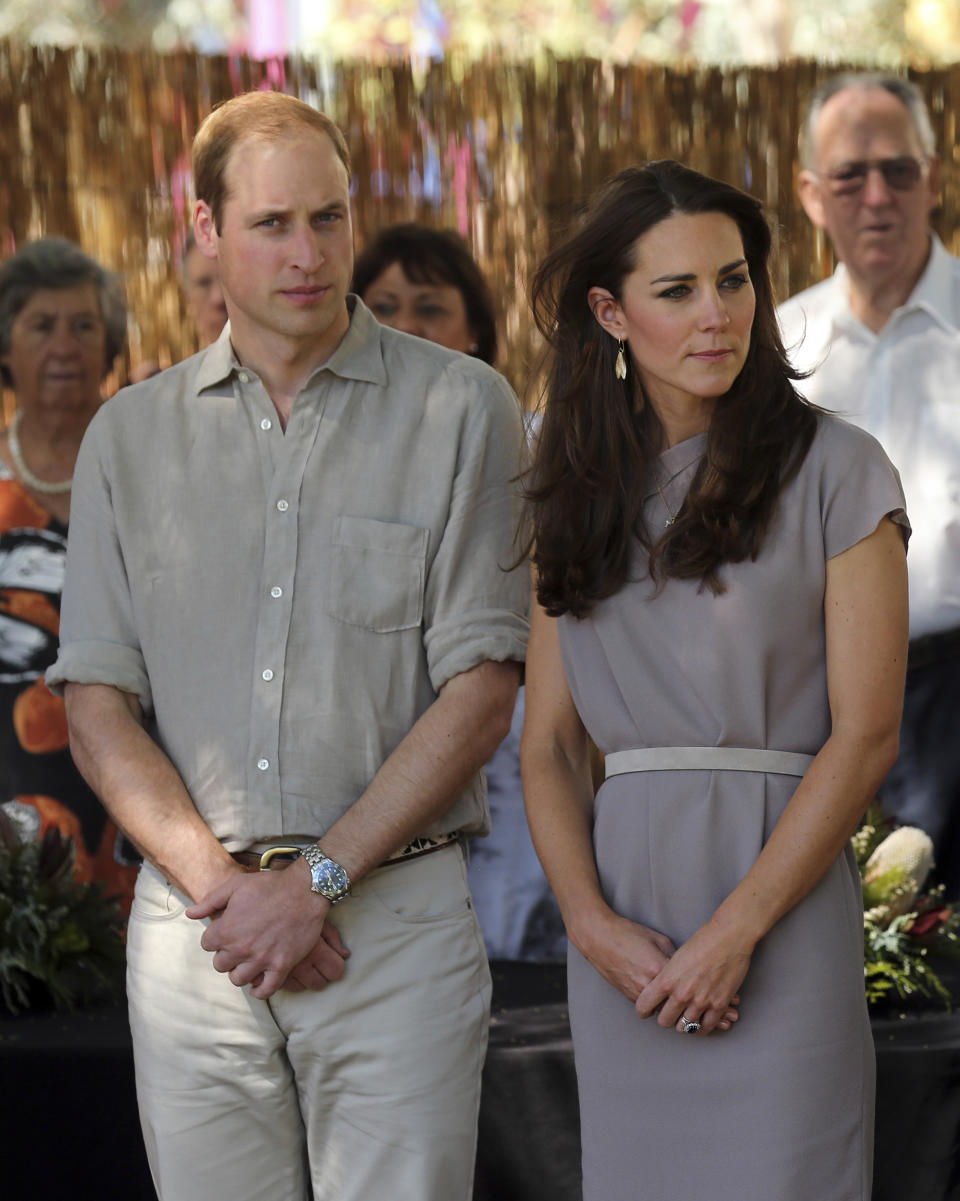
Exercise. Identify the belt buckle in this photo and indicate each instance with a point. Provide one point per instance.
(268, 854)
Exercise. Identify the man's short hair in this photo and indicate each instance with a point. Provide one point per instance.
(907, 93)
(58, 264)
(254, 114)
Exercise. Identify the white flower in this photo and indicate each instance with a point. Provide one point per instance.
(904, 859)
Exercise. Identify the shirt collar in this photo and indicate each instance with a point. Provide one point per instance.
(359, 355)
(933, 292)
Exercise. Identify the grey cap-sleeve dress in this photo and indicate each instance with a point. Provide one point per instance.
(781, 1107)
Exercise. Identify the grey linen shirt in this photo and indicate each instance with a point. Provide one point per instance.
(286, 605)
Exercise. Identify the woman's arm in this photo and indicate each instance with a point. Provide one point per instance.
(865, 609)
(558, 793)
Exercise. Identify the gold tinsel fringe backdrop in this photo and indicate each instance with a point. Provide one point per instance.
(94, 145)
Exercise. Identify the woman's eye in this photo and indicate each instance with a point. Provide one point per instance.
(431, 311)
(382, 309)
(734, 282)
(676, 293)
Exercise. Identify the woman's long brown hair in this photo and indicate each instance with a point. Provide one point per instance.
(599, 439)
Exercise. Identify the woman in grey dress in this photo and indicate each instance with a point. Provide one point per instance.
(722, 608)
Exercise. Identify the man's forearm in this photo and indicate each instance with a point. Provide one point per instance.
(429, 769)
(141, 789)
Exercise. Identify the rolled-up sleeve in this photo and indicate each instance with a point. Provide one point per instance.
(477, 596)
(98, 640)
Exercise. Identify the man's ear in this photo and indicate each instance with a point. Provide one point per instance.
(205, 230)
(811, 198)
(606, 309)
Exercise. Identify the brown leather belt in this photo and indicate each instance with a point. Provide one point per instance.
(279, 857)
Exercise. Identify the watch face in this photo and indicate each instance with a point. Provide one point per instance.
(327, 876)
(330, 877)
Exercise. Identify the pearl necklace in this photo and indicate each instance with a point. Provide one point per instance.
(33, 481)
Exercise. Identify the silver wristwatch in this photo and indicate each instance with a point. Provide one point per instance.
(327, 877)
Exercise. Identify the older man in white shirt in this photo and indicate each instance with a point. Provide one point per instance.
(882, 340)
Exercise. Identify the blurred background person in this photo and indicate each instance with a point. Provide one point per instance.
(425, 282)
(202, 294)
(203, 299)
(63, 322)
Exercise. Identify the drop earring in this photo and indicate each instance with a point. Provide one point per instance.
(621, 366)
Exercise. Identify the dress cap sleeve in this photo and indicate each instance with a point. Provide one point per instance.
(859, 486)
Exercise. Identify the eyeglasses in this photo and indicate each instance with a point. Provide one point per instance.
(901, 174)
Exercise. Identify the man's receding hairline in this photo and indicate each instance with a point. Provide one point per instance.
(292, 133)
(866, 82)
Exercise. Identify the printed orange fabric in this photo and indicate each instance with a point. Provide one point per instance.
(39, 784)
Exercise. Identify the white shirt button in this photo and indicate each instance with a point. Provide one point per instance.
(263, 764)
(283, 505)
(267, 674)
(266, 424)
(243, 377)
(276, 592)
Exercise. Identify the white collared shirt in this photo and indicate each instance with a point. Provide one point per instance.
(903, 386)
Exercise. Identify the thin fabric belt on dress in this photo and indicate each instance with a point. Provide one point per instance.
(264, 856)
(707, 758)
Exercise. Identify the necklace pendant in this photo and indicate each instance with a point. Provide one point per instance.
(668, 522)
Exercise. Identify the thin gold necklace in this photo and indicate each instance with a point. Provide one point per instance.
(671, 516)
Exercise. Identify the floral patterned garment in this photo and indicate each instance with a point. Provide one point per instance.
(39, 784)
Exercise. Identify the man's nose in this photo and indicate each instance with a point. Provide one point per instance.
(306, 252)
(876, 190)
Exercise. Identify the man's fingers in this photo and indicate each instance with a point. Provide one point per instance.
(331, 935)
(270, 983)
(306, 976)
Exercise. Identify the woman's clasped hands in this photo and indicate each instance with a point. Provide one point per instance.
(693, 988)
(698, 990)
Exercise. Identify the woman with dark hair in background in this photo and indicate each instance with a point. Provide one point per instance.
(721, 580)
(425, 282)
(63, 322)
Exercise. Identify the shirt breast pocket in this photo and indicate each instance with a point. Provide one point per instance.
(377, 573)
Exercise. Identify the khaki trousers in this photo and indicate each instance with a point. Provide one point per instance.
(367, 1091)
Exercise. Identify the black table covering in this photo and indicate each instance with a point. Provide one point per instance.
(68, 1119)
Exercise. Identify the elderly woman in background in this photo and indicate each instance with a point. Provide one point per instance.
(62, 324)
(425, 282)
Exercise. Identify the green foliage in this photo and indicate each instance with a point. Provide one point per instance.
(60, 941)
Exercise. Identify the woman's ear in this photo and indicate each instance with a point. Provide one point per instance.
(606, 310)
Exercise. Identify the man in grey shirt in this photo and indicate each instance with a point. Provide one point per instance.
(288, 616)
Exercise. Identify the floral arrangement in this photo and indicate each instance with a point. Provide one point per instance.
(903, 927)
(61, 941)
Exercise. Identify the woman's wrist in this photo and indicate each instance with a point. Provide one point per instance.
(588, 922)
